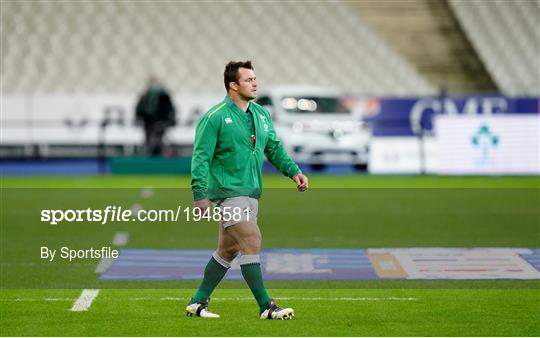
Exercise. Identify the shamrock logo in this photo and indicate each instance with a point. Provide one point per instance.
(485, 139)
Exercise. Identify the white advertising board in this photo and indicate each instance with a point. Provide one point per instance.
(402, 155)
(496, 144)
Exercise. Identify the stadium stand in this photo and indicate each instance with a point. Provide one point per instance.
(506, 35)
(428, 34)
(64, 63)
(112, 46)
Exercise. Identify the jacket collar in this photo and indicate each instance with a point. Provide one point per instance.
(231, 105)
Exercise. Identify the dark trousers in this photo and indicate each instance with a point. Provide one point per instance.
(154, 132)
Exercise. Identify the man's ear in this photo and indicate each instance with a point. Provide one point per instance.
(233, 85)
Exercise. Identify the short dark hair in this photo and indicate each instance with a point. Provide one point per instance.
(231, 71)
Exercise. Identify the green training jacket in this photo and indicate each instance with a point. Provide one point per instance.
(225, 161)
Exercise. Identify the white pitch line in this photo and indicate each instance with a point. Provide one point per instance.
(219, 299)
(120, 238)
(37, 300)
(87, 296)
(104, 264)
(147, 192)
(85, 300)
(348, 298)
(59, 299)
(287, 298)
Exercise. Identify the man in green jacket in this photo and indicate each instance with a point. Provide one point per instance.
(231, 140)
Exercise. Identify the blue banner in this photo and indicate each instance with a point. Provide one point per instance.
(411, 116)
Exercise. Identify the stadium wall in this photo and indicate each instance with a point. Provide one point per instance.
(405, 142)
(403, 138)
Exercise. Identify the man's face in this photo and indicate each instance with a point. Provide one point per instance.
(247, 83)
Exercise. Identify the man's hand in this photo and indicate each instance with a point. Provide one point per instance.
(301, 182)
(203, 204)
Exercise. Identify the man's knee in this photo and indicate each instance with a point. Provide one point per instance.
(254, 239)
(247, 236)
(229, 253)
(252, 244)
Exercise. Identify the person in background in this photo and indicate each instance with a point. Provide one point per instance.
(156, 112)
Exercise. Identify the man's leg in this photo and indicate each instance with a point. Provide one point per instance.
(147, 137)
(248, 237)
(214, 272)
(155, 139)
(159, 132)
(218, 265)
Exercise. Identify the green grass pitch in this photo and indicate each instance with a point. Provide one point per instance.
(508, 217)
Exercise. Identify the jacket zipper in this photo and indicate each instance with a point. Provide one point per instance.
(253, 136)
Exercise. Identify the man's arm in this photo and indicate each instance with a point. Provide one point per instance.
(206, 135)
(277, 155)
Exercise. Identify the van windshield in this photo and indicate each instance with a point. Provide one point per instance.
(313, 104)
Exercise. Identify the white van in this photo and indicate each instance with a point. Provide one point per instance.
(318, 126)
